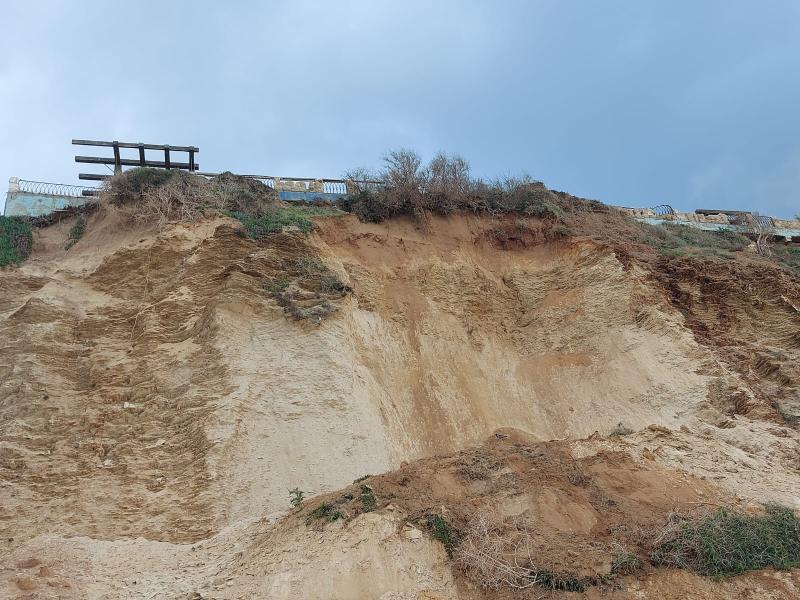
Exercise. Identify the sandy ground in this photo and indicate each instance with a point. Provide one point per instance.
(156, 404)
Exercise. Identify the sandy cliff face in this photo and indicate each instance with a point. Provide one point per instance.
(157, 403)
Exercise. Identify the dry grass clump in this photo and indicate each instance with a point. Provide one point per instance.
(499, 556)
(163, 196)
(305, 289)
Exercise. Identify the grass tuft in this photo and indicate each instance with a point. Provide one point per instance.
(325, 511)
(275, 219)
(728, 543)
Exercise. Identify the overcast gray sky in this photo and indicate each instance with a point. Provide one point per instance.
(636, 102)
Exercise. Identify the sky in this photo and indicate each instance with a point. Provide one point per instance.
(635, 103)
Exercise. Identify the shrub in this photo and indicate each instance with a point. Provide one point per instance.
(727, 542)
(161, 196)
(276, 286)
(536, 200)
(620, 430)
(296, 497)
(331, 284)
(16, 240)
(443, 186)
(76, 232)
(325, 511)
(496, 556)
(557, 232)
(441, 530)
(308, 266)
(368, 500)
(625, 562)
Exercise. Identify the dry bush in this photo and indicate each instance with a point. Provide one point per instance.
(442, 187)
(160, 196)
(494, 558)
(446, 184)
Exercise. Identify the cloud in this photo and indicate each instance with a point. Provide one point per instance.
(635, 103)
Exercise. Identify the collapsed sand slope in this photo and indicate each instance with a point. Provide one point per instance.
(151, 388)
(446, 337)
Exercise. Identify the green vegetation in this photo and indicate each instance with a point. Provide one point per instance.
(362, 478)
(625, 563)
(728, 543)
(325, 511)
(564, 583)
(296, 497)
(331, 284)
(441, 530)
(276, 286)
(16, 240)
(76, 232)
(308, 266)
(557, 232)
(538, 201)
(135, 182)
(788, 256)
(276, 218)
(677, 240)
(368, 500)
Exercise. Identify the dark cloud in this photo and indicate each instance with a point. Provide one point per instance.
(636, 103)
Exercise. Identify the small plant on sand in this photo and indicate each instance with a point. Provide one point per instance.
(620, 430)
(728, 542)
(325, 511)
(16, 240)
(441, 530)
(362, 478)
(579, 478)
(368, 500)
(296, 497)
(76, 232)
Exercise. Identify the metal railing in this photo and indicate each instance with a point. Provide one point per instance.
(51, 189)
(663, 209)
(329, 186)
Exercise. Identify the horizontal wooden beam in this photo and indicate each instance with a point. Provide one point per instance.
(294, 178)
(132, 162)
(135, 145)
(93, 176)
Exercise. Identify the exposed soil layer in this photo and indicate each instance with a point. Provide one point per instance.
(160, 393)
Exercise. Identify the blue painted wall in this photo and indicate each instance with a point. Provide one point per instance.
(27, 204)
(309, 196)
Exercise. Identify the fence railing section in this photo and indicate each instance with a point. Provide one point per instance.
(140, 161)
(50, 189)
